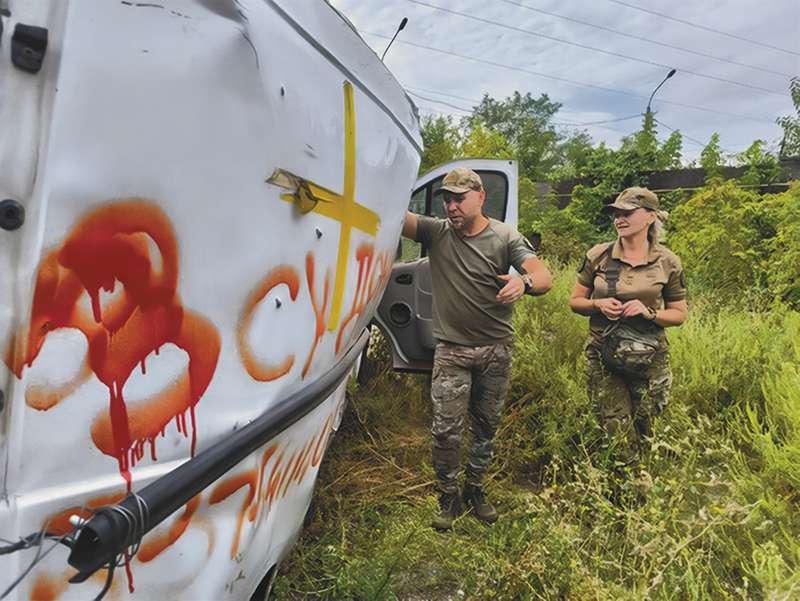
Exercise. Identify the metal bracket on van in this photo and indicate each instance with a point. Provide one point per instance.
(303, 193)
(28, 47)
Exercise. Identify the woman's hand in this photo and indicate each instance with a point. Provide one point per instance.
(634, 307)
(610, 307)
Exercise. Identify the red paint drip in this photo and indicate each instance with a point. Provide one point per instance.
(122, 436)
(129, 572)
(194, 428)
(111, 246)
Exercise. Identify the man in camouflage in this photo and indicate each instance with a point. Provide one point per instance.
(473, 294)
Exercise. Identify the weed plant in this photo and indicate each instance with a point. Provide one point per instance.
(713, 513)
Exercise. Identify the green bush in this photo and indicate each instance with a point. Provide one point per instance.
(722, 235)
(742, 246)
(564, 235)
(783, 270)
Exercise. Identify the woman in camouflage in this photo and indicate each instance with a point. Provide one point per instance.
(631, 289)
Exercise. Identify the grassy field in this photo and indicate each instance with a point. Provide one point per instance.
(718, 519)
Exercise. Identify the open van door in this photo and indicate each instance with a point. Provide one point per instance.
(405, 314)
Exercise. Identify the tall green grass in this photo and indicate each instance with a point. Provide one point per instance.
(713, 514)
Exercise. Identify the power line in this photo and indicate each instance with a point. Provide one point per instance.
(559, 123)
(644, 39)
(564, 80)
(594, 49)
(556, 123)
(453, 106)
(637, 115)
(704, 28)
(574, 124)
(600, 124)
(690, 138)
(476, 101)
(683, 135)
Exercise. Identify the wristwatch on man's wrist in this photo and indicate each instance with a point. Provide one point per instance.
(651, 314)
(528, 281)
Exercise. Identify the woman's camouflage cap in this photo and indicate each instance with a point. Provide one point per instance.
(633, 198)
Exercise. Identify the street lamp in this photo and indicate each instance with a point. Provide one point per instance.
(670, 74)
(399, 29)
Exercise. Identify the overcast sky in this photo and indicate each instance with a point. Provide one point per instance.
(744, 112)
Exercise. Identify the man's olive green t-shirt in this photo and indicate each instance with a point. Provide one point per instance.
(465, 272)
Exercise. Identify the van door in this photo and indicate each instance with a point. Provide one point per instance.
(405, 315)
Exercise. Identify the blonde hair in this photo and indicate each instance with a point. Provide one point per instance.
(655, 231)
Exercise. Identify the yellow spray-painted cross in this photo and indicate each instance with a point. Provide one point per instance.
(342, 207)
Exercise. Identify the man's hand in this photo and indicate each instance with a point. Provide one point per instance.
(512, 291)
(634, 307)
(610, 307)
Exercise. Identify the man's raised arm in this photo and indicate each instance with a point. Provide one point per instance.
(410, 226)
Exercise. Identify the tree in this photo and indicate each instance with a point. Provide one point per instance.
(642, 146)
(440, 138)
(669, 155)
(762, 166)
(526, 123)
(790, 145)
(574, 156)
(482, 142)
(642, 152)
(711, 160)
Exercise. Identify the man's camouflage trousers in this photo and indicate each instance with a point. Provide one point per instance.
(467, 379)
(626, 405)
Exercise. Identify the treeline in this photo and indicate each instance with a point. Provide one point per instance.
(734, 241)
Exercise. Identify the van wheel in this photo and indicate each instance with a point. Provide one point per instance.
(264, 589)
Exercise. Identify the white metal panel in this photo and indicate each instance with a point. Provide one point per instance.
(165, 121)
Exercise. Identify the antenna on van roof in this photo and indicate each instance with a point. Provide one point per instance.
(399, 29)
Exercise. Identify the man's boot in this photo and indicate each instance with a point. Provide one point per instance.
(476, 502)
(450, 508)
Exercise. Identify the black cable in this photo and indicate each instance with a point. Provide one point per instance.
(453, 106)
(36, 539)
(477, 102)
(703, 27)
(461, 108)
(595, 49)
(109, 580)
(690, 138)
(23, 543)
(565, 80)
(628, 118)
(645, 39)
(37, 558)
(433, 111)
